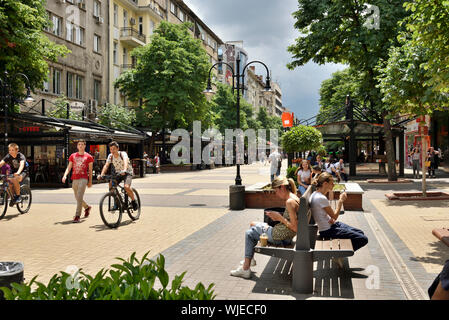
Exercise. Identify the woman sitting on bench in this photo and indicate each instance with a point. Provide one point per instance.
(281, 233)
(326, 218)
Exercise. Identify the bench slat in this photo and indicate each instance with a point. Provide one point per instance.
(442, 234)
(335, 244)
(346, 244)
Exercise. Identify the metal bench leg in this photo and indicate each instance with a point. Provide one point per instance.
(302, 281)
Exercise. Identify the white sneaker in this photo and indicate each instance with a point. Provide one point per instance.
(239, 272)
(253, 262)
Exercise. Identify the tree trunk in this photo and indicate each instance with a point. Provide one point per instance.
(389, 146)
(423, 163)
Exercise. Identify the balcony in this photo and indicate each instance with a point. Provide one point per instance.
(126, 67)
(132, 37)
(155, 10)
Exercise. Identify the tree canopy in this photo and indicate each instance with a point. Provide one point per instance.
(169, 78)
(24, 47)
(301, 138)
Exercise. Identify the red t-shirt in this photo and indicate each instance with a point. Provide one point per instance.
(80, 165)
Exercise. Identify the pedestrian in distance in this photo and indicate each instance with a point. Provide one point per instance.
(340, 171)
(281, 234)
(81, 164)
(416, 157)
(275, 159)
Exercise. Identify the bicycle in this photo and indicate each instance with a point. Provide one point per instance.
(5, 193)
(113, 203)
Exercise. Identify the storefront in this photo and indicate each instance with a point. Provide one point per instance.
(48, 142)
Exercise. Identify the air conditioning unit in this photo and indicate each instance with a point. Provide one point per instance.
(99, 20)
(132, 21)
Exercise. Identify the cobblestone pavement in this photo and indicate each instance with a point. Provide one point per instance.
(185, 216)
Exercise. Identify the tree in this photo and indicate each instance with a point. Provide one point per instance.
(169, 78)
(404, 83)
(429, 28)
(116, 116)
(23, 46)
(301, 138)
(337, 31)
(59, 110)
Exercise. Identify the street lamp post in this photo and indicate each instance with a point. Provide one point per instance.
(7, 93)
(237, 191)
(238, 80)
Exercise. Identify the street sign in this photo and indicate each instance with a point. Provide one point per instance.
(77, 106)
(287, 120)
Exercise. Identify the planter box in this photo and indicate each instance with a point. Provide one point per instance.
(170, 168)
(256, 198)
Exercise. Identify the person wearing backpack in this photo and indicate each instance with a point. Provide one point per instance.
(276, 162)
(18, 167)
(121, 165)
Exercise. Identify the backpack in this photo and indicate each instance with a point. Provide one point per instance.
(279, 163)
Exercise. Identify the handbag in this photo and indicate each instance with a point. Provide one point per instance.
(427, 163)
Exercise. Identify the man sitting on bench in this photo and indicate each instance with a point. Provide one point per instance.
(281, 233)
(326, 218)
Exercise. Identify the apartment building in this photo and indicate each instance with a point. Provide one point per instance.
(254, 92)
(132, 23)
(276, 99)
(178, 12)
(82, 76)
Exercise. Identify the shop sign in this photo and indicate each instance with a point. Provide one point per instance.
(78, 106)
(29, 129)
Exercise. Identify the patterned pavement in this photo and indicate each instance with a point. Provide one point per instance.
(185, 216)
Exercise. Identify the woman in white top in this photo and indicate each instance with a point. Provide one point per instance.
(416, 156)
(326, 218)
(304, 177)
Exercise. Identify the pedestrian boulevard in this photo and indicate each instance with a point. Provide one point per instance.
(186, 217)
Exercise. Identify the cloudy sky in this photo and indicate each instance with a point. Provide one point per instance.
(267, 29)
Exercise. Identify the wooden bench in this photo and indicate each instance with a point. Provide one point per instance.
(307, 248)
(442, 234)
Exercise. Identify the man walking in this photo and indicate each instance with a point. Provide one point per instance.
(82, 164)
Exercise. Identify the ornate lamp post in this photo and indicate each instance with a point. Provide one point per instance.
(7, 98)
(238, 80)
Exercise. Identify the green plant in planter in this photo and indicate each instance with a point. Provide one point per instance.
(130, 280)
(291, 174)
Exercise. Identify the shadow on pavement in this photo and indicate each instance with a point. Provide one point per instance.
(10, 217)
(102, 227)
(329, 281)
(438, 255)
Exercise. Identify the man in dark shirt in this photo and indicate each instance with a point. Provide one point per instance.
(439, 290)
(17, 163)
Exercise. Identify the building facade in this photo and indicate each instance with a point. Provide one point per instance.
(81, 76)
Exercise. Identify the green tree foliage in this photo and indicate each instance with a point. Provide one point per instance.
(336, 31)
(59, 110)
(169, 78)
(301, 138)
(116, 116)
(429, 28)
(23, 46)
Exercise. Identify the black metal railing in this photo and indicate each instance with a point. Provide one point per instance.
(130, 32)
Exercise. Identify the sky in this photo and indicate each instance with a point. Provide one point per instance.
(267, 29)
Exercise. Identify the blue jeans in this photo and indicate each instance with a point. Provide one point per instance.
(252, 236)
(340, 230)
(302, 189)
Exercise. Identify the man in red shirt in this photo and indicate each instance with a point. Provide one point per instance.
(82, 164)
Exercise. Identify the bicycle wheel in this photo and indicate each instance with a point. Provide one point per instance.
(134, 214)
(110, 210)
(25, 193)
(3, 203)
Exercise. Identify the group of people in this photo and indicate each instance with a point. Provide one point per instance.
(283, 232)
(15, 166)
(432, 160)
(152, 162)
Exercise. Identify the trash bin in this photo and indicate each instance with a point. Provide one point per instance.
(237, 197)
(10, 272)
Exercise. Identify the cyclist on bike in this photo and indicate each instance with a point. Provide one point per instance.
(122, 165)
(17, 163)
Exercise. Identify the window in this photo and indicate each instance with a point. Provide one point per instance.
(140, 25)
(115, 53)
(79, 87)
(115, 15)
(97, 90)
(57, 81)
(57, 26)
(46, 85)
(70, 77)
(125, 56)
(70, 34)
(172, 8)
(79, 35)
(97, 43)
(181, 15)
(125, 19)
(115, 96)
(152, 25)
(97, 8)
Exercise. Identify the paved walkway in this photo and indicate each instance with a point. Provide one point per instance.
(185, 216)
